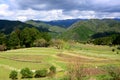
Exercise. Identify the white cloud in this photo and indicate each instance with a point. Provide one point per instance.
(21, 18)
(4, 10)
(10, 9)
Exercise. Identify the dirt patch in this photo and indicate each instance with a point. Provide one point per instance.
(24, 58)
(70, 58)
(94, 71)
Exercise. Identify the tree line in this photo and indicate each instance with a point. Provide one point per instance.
(109, 40)
(27, 37)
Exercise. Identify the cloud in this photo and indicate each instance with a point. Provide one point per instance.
(58, 9)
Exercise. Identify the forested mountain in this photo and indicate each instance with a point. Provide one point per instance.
(84, 30)
(40, 24)
(81, 30)
(7, 26)
(54, 31)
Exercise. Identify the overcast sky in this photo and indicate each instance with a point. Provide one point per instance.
(58, 9)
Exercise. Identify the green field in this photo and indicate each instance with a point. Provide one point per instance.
(39, 58)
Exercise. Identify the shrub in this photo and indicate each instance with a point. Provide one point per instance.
(40, 73)
(75, 72)
(113, 72)
(118, 47)
(2, 47)
(53, 69)
(59, 44)
(103, 77)
(26, 73)
(13, 74)
(40, 43)
(113, 50)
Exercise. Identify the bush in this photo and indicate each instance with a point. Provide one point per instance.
(103, 77)
(75, 72)
(118, 47)
(113, 50)
(2, 47)
(26, 73)
(13, 74)
(53, 69)
(40, 73)
(113, 72)
(40, 43)
(59, 44)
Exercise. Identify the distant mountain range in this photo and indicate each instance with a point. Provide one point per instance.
(62, 23)
(75, 29)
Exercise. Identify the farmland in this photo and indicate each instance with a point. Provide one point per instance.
(91, 56)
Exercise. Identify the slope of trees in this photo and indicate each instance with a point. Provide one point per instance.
(84, 30)
(110, 40)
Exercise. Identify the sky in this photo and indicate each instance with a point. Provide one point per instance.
(47, 10)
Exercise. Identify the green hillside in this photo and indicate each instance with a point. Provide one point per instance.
(54, 31)
(7, 26)
(46, 26)
(83, 30)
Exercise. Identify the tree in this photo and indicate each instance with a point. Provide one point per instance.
(13, 75)
(117, 40)
(59, 44)
(28, 36)
(46, 36)
(40, 73)
(26, 73)
(13, 41)
(2, 38)
(40, 43)
(2, 47)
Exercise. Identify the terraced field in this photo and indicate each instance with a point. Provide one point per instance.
(38, 58)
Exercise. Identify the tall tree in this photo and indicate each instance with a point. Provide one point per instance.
(14, 41)
(28, 36)
(2, 38)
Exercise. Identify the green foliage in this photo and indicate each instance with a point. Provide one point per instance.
(13, 75)
(2, 47)
(59, 44)
(113, 72)
(75, 72)
(40, 43)
(7, 26)
(104, 77)
(117, 40)
(53, 69)
(46, 36)
(26, 73)
(14, 41)
(28, 35)
(83, 30)
(2, 38)
(49, 28)
(40, 73)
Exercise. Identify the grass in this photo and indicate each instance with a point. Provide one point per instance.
(39, 58)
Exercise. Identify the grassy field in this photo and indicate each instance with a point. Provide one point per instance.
(39, 58)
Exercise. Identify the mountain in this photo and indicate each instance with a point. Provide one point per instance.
(62, 23)
(53, 30)
(84, 30)
(8, 26)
